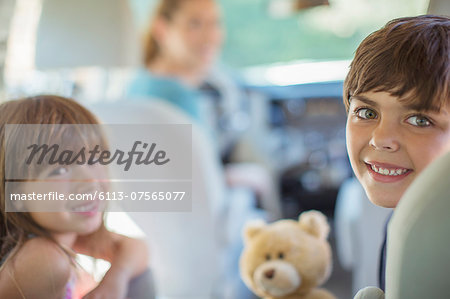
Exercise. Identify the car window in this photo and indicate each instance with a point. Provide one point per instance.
(256, 36)
(258, 32)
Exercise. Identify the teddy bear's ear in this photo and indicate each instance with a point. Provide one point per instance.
(315, 223)
(252, 228)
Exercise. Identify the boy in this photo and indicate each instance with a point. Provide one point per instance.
(397, 97)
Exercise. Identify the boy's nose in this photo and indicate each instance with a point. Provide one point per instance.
(385, 138)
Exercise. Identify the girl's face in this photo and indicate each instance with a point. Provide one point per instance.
(390, 143)
(73, 216)
(193, 36)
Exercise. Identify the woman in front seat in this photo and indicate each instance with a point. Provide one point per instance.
(180, 47)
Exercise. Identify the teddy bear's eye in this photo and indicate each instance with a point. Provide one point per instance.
(268, 256)
(281, 255)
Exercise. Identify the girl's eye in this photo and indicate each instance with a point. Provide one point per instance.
(419, 121)
(366, 113)
(268, 257)
(59, 171)
(281, 255)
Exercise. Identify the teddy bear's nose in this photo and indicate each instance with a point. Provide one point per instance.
(269, 273)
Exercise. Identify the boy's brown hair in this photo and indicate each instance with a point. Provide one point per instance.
(409, 58)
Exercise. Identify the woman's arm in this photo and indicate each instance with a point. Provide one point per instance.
(128, 258)
(40, 270)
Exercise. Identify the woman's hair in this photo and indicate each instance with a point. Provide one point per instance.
(17, 227)
(409, 58)
(165, 10)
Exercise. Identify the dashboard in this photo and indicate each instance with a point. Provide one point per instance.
(306, 134)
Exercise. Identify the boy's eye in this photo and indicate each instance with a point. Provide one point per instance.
(59, 171)
(366, 113)
(419, 121)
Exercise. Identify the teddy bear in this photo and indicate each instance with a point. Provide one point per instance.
(287, 259)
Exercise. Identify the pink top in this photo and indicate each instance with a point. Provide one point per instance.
(70, 288)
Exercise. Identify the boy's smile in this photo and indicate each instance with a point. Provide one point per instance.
(387, 173)
(390, 143)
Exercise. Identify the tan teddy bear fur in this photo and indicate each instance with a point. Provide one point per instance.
(287, 259)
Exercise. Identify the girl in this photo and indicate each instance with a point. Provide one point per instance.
(37, 249)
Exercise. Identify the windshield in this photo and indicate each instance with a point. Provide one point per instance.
(255, 35)
(262, 31)
(259, 33)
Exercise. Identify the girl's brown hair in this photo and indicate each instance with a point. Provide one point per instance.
(16, 228)
(165, 10)
(409, 58)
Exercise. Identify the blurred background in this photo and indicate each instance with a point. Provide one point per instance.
(258, 32)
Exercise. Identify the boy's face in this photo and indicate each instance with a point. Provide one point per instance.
(390, 143)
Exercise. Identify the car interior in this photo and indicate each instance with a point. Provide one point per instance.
(273, 104)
